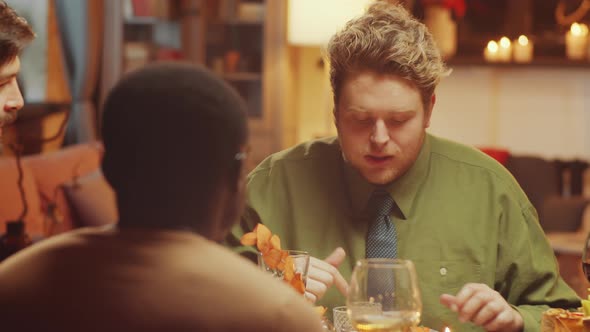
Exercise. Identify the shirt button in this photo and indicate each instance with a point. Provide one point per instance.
(443, 271)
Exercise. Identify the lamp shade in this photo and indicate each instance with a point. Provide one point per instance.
(313, 22)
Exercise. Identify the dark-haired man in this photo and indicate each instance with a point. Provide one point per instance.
(175, 139)
(15, 34)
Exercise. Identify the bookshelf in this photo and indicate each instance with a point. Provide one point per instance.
(243, 41)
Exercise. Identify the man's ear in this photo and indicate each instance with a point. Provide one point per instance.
(428, 112)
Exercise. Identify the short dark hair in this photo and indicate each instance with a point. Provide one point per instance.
(15, 34)
(171, 133)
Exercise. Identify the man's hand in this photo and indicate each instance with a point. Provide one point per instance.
(323, 274)
(485, 307)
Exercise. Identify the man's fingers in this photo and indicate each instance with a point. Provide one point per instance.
(499, 323)
(310, 297)
(336, 257)
(315, 288)
(449, 301)
(340, 283)
(487, 313)
(330, 265)
(321, 275)
(464, 294)
(337, 279)
(476, 302)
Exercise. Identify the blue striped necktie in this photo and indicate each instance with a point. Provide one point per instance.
(381, 236)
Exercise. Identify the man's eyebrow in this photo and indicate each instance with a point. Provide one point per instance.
(392, 111)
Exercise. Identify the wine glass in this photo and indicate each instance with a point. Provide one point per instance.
(391, 283)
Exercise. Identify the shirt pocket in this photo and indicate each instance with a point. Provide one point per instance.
(437, 277)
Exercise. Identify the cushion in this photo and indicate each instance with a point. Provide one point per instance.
(53, 169)
(92, 200)
(11, 206)
(500, 155)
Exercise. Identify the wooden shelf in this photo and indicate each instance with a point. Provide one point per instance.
(236, 22)
(546, 62)
(242, 76)
(141, 20)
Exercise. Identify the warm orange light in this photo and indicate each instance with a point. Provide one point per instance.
(523, 40)
(505, 42)
(492, 46)
(579, 29)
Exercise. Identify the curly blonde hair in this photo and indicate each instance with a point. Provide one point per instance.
(386, 40)
(15, 33)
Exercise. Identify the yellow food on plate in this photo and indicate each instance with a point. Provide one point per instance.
(560, 320)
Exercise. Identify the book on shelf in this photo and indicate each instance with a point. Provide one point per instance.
(162, 9)
(136, 55)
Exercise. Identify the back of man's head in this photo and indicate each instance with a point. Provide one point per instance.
(171, 134)
(15, 34)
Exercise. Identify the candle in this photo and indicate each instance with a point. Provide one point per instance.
(490, 53)
(505, 50)
(447, 329)
(523, 50)
(576, 41)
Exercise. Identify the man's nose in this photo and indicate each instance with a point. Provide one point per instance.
(380, 133)
(14, 99)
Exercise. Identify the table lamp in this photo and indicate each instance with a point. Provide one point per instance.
(313, 23)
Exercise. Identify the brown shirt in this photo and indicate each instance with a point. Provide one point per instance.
(143, 280)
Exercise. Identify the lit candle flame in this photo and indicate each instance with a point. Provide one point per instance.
(576, 29)
(579, 29)
(447, 329)
(492, 46)
(504, 42)
(523, 40)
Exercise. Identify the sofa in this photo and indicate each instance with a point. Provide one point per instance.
(558, 189)
(557, 194)
(63, 190)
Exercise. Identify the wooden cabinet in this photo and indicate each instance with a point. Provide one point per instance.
(243, 41)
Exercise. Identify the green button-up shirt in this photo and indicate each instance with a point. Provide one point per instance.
(461, 218)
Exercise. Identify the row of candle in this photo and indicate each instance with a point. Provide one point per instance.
(504, 51)
(576, 42)
(521, 50)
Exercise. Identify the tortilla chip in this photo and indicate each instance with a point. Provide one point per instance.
(272, 258)
(275, 242)
(298, 284)
(289, 271)
(248, 239)
(263, 236)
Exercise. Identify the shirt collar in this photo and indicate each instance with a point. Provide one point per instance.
(403, 190)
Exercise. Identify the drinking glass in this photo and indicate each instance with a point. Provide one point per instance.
(392, 283)
(342, 321)
(300, 261)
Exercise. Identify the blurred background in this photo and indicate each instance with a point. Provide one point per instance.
(519, 90)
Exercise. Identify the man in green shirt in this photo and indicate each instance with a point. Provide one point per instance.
(482, 259)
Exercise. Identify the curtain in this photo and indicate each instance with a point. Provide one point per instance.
(81, 27)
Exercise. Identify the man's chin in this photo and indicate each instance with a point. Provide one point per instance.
(380, 178)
